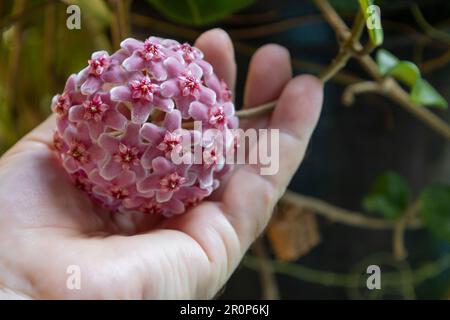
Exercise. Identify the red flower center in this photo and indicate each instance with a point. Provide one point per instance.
(189, 53)
(99, 65)
(151, 51)
(152, 208)
(118, 193)
(78, 151)
(127, 156)
(143, 88)
(172, 182)
(189, 84)
(171, 141)
(62, 104)
(94, 109)
(217, 117)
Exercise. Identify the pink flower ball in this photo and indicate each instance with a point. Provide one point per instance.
(119, 122)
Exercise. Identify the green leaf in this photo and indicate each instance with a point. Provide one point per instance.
(385, 61)
(435, 210)
(406, 72)
(198, 12)
(424, 93)
(373, 21)
(389, 196)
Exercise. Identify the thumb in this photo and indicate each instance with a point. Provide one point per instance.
(41, 135)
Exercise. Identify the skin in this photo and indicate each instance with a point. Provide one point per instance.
(47, 225)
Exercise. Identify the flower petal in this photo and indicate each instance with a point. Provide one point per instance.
(131, 45)
(163, 196)
(152, 133)
(134, 63)
(166, 105)
(162, 166)
(172, 120)
(76, 113)
(120, 93)
(140, 112)
(207, 96)
(169, 88)
(91, 85)
(152, 182)
(115, 119)
(111, 170)
(198, 111)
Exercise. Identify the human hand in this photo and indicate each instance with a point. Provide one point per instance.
(46, 224)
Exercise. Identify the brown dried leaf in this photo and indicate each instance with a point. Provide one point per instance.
(292, 232)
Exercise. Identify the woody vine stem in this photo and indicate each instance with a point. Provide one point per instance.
(350, 47)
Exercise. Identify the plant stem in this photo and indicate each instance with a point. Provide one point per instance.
(398, 237)
(347, 217)
(394, 90)
(268, 280)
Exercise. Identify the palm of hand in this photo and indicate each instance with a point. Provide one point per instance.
(47, 225)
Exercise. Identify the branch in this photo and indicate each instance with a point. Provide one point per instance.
(339, 62)
(351, 218)
(268, 280)
(348, 97)
(394, 91)
(398, 237)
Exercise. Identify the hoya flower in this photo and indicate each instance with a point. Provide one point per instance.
(101, 68)
(148, 55)
(166, 179)
(168, 139)
(185, 85)
(113, 192)
(144, 95)
(223, 93)
(217, 116)
(98, 112)
(81, 153)
(120, 131)
(62, 102)
(124, 152)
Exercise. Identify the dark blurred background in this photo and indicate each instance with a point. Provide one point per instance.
(350, 148)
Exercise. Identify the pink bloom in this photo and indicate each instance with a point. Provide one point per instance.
(120, 134)
(81, 181)
(98, 112)
(116, 190)
(124, 152)
(82, 153)
(188, 52)
(148, 55)
(218, 116)
(143, 95)
(185, 85)
(101, 68)
(166, 179)
(166, 139)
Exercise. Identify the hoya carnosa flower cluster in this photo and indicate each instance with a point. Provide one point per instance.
(120, 118)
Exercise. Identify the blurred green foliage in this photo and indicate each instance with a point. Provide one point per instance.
(435, 210)
(38, 53)
(198, 12)
(408, 73)
(389, 196)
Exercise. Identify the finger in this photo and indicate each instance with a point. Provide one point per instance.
(218, 50)
(295, 116)
(42, 134)
(270, 70)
